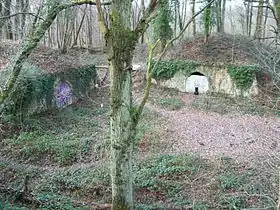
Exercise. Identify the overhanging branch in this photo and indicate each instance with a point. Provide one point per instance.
(89, 2)
(147, 18)
(19, 13)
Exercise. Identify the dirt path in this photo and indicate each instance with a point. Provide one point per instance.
(213, 135)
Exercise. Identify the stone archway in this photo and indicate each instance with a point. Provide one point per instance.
(197, 79)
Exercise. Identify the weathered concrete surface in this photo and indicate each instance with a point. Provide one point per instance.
(215, 79)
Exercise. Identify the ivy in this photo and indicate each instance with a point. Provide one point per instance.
(167, 69)
(242, 76)
(161, 24)
(34, 90)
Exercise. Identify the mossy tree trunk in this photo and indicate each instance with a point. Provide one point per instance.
(28, 47)
(121, 41)
(124, 116)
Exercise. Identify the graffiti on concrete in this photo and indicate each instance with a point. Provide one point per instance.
(63, 94)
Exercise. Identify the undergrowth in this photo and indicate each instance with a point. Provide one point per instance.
(162, 181)
(64, 154)
(71, 135)
(223, 104)
(169, 103)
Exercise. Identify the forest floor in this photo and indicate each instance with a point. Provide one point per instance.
(203, 152)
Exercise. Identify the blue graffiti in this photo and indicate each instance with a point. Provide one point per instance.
(63, 95)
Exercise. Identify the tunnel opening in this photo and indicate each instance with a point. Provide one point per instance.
(197, 83)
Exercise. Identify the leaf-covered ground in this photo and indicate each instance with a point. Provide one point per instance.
(59, 160)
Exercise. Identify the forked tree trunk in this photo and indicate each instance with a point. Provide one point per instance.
(121, 43)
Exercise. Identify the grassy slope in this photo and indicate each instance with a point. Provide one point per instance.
(64, 155)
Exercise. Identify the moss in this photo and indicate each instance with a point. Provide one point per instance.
(167, 69)
(34, 91)
(243, 76)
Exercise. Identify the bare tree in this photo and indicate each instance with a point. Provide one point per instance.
(268, 58)
(194, 23)
(259, 23)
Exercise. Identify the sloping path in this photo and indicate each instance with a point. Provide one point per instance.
(213, 135)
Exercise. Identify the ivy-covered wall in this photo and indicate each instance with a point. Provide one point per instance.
(35, 90)
(225, 78)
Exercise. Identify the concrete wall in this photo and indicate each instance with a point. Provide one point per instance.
(218, 80)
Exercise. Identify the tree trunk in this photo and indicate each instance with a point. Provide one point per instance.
(7, 12)
(27, 49)
(89, 30)
(194, 23)
(76, 35)
(249, 14)
(17, 21)
(142, 9)
(223, 16)
(1, 21)
(25, 8)
(265, 21)
(121, 41)
(207, 22)
(180, 16)
(218, 9)
(176, 14)
(259, 23)
(277, 11)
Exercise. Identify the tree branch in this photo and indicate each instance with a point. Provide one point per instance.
(19, 13)
(150, 67)
(101, 20)
(89, 2)
(146, 19)
(149, 72)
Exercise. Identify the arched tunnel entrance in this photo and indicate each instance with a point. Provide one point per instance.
(197, 80)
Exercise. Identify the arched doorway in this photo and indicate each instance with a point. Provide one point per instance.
(198, 80)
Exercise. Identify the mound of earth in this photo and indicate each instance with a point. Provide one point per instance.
(47, 59)
(220, 48)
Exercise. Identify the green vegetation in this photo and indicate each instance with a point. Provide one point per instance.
(161, 24)
(167, 69)
(169, 103)
(224, 104)
(68, 136)
(65, 155)
(34, 90)
(162, 181)
(242, 75)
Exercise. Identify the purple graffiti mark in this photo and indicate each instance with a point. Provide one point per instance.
(63, 95)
